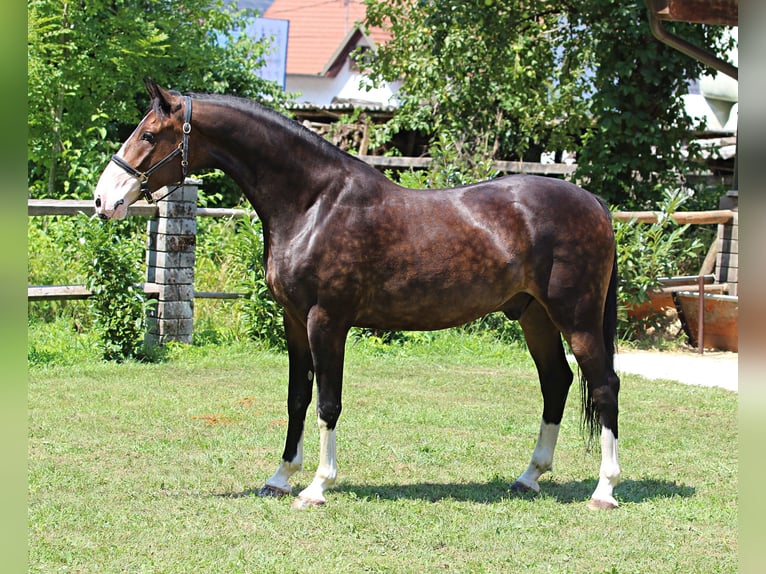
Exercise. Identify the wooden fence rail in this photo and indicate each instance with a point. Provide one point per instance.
(142, 208)
(171, 240)
(718, 216)
(383, 162)
(36, 207)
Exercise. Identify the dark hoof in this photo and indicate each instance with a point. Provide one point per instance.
(521, 488)
(596, 504)
(301, 503)
(273, 491)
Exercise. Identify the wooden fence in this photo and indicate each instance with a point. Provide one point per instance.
(397, 162)
(171, 242)
(170, 259)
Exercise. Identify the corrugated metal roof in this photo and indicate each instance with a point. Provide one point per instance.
(341, 106)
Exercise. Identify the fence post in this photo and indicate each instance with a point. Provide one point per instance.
(170, 257)
(727, 259)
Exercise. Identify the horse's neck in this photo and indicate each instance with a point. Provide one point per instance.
(279, 171)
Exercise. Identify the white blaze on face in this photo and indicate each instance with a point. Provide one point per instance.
(115, 191)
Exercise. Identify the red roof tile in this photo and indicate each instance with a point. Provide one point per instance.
(317, 29)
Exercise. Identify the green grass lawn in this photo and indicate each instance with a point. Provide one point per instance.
(153, 468)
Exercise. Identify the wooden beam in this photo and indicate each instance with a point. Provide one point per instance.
(57, 292)
(504, 166)
(218, 295)
(74, 292)
(534, 167)
(719, 288)
(75, 206)
(396, 161)
(694, 217)
(224, 212)
(686, 280)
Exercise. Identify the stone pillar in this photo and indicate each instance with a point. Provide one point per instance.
(727, 259)
(170, 256)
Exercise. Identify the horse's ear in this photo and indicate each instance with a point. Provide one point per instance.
(160, 97)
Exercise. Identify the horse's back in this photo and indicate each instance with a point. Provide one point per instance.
(539, 197)
(534, 210)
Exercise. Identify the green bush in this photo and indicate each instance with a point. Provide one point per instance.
(61, 341)
(499, 327)
(113, 267)
(646, 252)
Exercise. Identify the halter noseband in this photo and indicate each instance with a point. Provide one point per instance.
(182, 149)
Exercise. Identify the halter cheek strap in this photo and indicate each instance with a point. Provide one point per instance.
(182, 150)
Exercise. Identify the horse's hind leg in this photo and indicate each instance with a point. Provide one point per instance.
(544, 343)
(298, 399)
(600, 401)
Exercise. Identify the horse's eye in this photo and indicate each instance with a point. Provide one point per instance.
(147, 136)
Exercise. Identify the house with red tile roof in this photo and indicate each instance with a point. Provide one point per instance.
(322, 35)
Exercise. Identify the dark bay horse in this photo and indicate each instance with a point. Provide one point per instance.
(344, 247)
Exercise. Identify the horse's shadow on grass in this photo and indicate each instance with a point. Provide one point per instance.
(629, 491)
(496, 490)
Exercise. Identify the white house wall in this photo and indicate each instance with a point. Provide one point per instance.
(323, 90)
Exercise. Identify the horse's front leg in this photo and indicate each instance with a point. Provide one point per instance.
(301, 379)
(327, 340)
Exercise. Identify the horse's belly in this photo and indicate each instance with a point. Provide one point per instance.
(424, 309)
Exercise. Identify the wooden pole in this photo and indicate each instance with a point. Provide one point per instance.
(701, 315)
(680, 217)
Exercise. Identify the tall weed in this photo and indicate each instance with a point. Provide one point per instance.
(230, 258)
(261, 313)
(53, 258)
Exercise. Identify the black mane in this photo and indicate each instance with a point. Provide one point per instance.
(258, 110)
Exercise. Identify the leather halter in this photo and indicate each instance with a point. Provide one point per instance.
(182, 150)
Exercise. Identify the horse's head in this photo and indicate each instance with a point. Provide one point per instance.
(158, 147)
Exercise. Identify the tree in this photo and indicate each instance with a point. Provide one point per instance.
(487, 74)
(509, 78)
(87, 60)
(635, 146)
